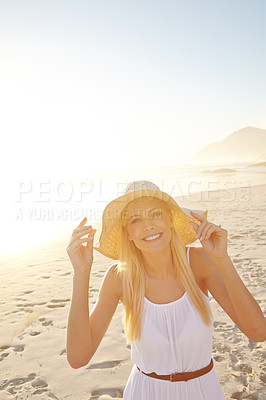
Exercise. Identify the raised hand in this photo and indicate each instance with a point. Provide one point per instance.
(212, 237)
(81, 256)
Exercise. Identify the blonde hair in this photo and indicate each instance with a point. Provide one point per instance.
(130, 268)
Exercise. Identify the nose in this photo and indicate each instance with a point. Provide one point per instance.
(147, 225)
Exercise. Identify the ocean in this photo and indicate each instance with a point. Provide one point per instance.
(47, 210)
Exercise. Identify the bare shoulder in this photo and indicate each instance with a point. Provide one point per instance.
(113, 281)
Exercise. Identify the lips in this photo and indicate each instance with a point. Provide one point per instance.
(153, 240)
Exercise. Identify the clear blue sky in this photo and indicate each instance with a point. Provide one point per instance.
(86, 85)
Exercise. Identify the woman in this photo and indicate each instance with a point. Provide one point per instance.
(163, 285)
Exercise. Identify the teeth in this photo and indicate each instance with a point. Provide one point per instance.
(152, 237)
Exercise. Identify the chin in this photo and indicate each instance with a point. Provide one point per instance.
(156, 248)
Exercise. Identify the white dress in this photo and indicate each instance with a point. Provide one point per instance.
(173, 339)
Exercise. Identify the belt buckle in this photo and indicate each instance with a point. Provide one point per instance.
(176, 373)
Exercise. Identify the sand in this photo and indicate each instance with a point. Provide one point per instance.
(36, 289)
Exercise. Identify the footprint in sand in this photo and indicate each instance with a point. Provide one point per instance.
(218, 358)
(222, 347)
(3, 353)
(35, 333)
(253, 345)
(5, 350)
(20, 385)
(114, 393)
(40, 385)
(18, 348)
(243, 367)
(44, 322)
(15, 385)
(57, 303)
(242, 396)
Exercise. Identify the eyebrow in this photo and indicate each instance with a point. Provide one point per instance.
(154, 208)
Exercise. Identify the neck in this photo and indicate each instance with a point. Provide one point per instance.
(158, 265)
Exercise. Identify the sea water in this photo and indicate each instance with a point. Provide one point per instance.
(41, 211)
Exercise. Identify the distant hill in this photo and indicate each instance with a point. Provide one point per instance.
(247, 144)
(259, 164)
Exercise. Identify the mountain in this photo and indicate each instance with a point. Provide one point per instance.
(247, 144)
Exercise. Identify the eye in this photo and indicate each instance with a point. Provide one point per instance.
(135, 220)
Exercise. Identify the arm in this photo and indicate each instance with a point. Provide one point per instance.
(85, 330)
(226, 286)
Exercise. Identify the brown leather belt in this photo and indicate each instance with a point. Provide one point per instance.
(184, 376)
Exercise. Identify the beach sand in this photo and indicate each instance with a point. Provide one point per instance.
(36, 289)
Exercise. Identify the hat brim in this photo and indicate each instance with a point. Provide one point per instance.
(108, 243)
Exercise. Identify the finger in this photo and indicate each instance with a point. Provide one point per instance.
(201, 228)
(82, 229)
(91, 239)
(197, 216)
(83, 222)
(212, 228)
(75, 243)
(206, 233)
(74, 246)
(194, 225)
(78, 235)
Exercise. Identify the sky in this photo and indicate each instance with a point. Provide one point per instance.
(91, 85)
(88, 86)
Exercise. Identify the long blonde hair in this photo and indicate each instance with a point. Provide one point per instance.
(132, 273)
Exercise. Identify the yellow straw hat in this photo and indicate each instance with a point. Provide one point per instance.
(108, 243)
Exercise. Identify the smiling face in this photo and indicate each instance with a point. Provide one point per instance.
(149, 225)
